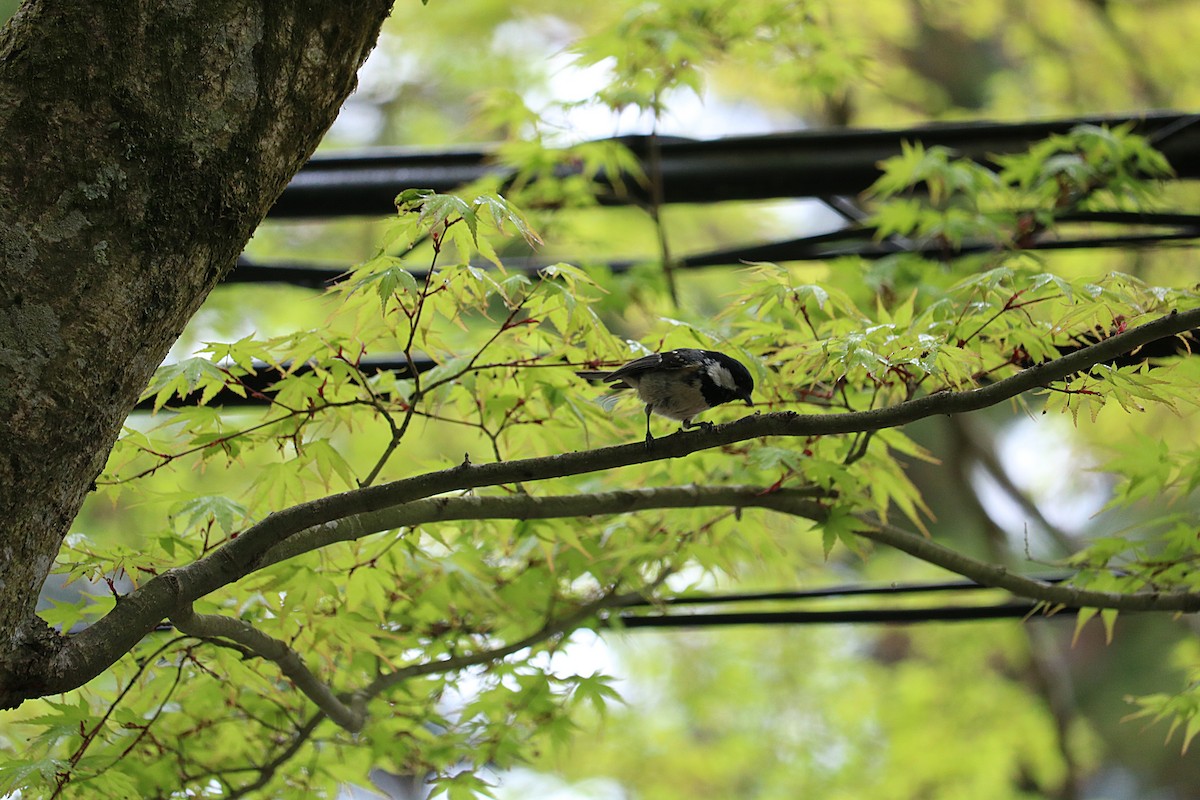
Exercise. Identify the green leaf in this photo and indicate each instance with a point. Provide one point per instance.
(462, 786)
(441, 210)
(183, 378)
(597, 691)
(412, 199)
(502, 214)
(329, 462)
(841, 526)
(387, 280)
(21, 774)
(197, 512)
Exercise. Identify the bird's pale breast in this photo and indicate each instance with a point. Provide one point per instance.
(669, 397)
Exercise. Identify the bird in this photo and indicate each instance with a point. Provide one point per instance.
(679, 384)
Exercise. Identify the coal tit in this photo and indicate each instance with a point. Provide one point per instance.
(680, 384)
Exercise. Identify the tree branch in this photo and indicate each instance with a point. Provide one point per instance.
(1001, 578)
(89, 652)
(795, 502)
(525, 506)
(207, 626)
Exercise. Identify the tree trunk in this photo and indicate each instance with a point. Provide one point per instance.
(143, 143)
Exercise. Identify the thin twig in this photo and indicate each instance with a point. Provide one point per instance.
(550, 629)
(267, 771)
(414, 323)
(90, 736)
(167, 458)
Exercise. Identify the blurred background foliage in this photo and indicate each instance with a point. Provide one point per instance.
(998, 709)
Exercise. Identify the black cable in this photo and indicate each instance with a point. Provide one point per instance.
(1171, 129)
(848, 590)
(819, 247)
(1160, 218)
(954, 613)
(944, 613)
(259, 387)
(307, 276)
(793, 164)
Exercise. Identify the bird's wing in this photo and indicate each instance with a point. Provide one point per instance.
(594, 374)
(670, 360)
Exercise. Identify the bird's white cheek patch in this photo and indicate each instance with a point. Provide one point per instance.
(721, 376)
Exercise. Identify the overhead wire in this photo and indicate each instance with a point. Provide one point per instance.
(663, 616)
(807, 163)
(860, 243)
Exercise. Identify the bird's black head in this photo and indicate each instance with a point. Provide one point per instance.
(725, 379)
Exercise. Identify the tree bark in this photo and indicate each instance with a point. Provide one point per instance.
(143, 143)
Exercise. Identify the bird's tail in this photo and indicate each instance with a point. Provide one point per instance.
(615, 390)
(609, 401)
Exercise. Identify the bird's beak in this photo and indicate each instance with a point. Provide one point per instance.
(748, 399)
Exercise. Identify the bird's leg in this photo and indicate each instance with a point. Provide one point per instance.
(649, 437)
(704, 426)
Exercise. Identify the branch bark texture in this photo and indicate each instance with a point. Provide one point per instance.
(144, 142)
